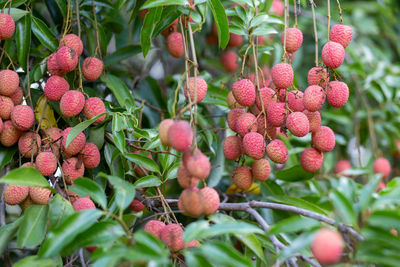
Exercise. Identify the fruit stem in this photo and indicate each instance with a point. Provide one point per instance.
(340, 12)
(295, 13)
(329, 16)
(286, 21)
(98, 49)
(315, 31)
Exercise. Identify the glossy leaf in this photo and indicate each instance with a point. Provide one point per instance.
(80, 128)
(33, 226)
(221, 21)
(143, 161)
(43, 33)
(23, 39)
(25, 176)
(86, 187)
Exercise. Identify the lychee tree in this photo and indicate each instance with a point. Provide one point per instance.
(199, 133)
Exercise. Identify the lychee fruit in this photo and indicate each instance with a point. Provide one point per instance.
(46, 163)
(90, 156)
(52, 139)
(314, 98)
(282, 75)
(92, 68)
(17, 96)
(210, 200)
(341, 34)
(327, 246)
(72, 103)
(235, 40)
(10, 135)
(180, 135)
(172, 236)
(185, 179)
(298, 124)
(232, 117)
(163, 131)
(261, 169)
(6, 105)
(141, 171)
(72, 168)
(228, 61)
(83, 203)
(244, 92)
(15, 194)
(40, 195)
(314, 119)
(294, 39)
(170, 29)
(246, 123)
(382, 166)
(76, 145)
(276, 114)
(154, 227)
(232, 147)
(55, 88)
(268, 96)
(278, 7)
(254, 145)
(337, 94)
(29, 164)
(323, 139)
(93, 107)
(53, 67)
(29, 144)
(333, 55)
(311, 159)
(193, 244)
(9, 82)
(197, 164)
(192, 202)
(261, 128)
(26, 203)
(242, 177)
(295, 100)
(1, 125)
(22, 117)
(277, 151)
(73, 41)
(136, 206)
(174, 44)
(7, 26)
(67, 58)
(232, 103)
(341, 166)
(201, 89)
(318, 76)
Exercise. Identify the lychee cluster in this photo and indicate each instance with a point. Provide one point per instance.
(26, 196)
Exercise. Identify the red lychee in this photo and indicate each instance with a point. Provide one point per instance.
(93, 107)
(337, 94)
(136, 206)
(6, 105)
(341, 166)
(83, 203)
(192, 202)
(201, 89)
(276, 114)
(52, 139)
(72, 103)
(235, 40)
(294, 39)
(22, 117)
(180, 135)
(39, 195)
(244, 92)
(163, 131)
(232, 103)
(10, 135)
(77, 144)
(172, 236)
(210, 200)
(314, 98)
(282, 75)
(323, 139)
(382, 166)
(67, 59)
(298, 124)
(261, 128)
(232, 147)
(277, 151)
(341, 34)
(92, 68)
(72, 168)
(268, 96)
(29, 144)
(73, 41)
(295, 100)
(1, 125)
(7, 26)
(90, 156)
(314, 119)
(254, 145)
(154, 227)
(46, 163)
(318, 76)
(53, 67)
(174, 44)
(246, 123)
(185, 179)
(15, 194)
(261, 169)
(327, 246)
(228, 61)
(311, 159)
(333, 55)
(9, 82)
(17, 96)
(170, 29)
(55, 88)
(232, 117)
(197, 164)
(192, 244)
(278, 7)
(242, 177)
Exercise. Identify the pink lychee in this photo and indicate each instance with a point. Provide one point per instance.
(228, 61)
(72, 103)
(295, 100)
(311, 159)
(323, 139)
(92, 68)
(294, 39)
(232, 117)
(276, 114)
(7, 26)
(314, 119)
(22, 117)
(201, 89)
(232, 147)
(341, 166)
(55, 88)
(90, 156)
(318, 76)
(314, 98)
(180, 135)
(76, 145)
(277, 151)
(246, 123)
(337, 94)
(298, 124)
(333, 55)
(254, 145)
(282, 75)
(67, 58)
(244, 92)
(327, 246)
(53, 67)
(46, 163)
(72, 169)
(29, 144)
(73, 41)
(382, 166)
(6, 105)
(174, 44)
(261, 169)
(341, 34)
(9, 82)
(268, 96)
(93, 107)
(10, 135)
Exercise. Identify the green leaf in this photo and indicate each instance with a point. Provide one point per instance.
(147, 181)
(60, 209)
(124, 191)
(297, 202)
(160, 3)
(193, 230)
(254, 244)
(343, 207)
(223, 253)
(6, 155)
(221, 21)
(149, 25)
(80, 128)
(17, 13)
(143, 161)
(122, 54)
(25, 176)
(43, 33)
(7, 232)
(366, 193)
(23, 39)
(86, 187)
(293, 224)
(386, 219)
(231, 228)
(119, 90)
(301, 242)
(294, 174)
(196, 259)
(35, 261)
(33, 226)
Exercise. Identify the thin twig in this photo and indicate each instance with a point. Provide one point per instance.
(315, 31)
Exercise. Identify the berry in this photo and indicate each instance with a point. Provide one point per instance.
(282, 75)
(28, 145)
(268, 96)
(46, 163)
(210, 200)
(170, 29)
(228, 61)
(77, 144)
(235, 40)
(10, 135)
(232, 103)
(141, 171)
(318, 76)
(154, 227)
(53, 67)
(55, 88)
(295, 100)
(83, 203)
(180, 135)
(261, 169)
(92, 68)
(40, 195)
(174, 43)
(277, 151)
(72, 168)
(15, 194)
(244, 92)
(341, 34)
(67, 59)
(201, 89)
(382, 166)
(327, 246)
(242, 177)
(314, 98)
(136, 206)
(90, 156)
(337, 94)
(1, 125)
(185, 179)
(192, 202)
(72, 103)
(6, 105)
(7, 26)
(17, 96)
(278, 7)
(311, 159)
(341, 166)
(244, 122)
(298, 124)
(197, 164)
(333, 55)
(52, 139)
(26, 203)
(232, 147)
(323, 139)
(22, 117)
(192, 244)
(314, 119)
(294, 39)
(9, 82)
(276, 114)
(93, 107)
(271, 130)
(172, 236)
(232, 117)
(163, 131)
(254, 145)
(73, 41)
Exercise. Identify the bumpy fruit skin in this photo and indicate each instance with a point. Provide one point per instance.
(136, 206)
(197, 164)
(311, 159)
(1, 125)
(9, 82)
(55, 88)
(72, 103)
(341, 34)
(261, 169)
(53, 67)
(39, 195)
(7, 26)
(180, 135)
(46, 163)
(232, 117)
(337, 94)
(73, 41)
(243, 124)
(341, 166)
(90, 156)
(29, 144)
(318, 76)
(76, 145)
(15, 194)
(67, 58)
(6, 105)
(242, 177)
(172, 236)
(294, 39)
(276, 114)
(83, 203)
(154, 227)
(323, 139)
(244, 92)
(333, 55)
(268, 96)
(192, 202)
(228, 61)
(232, 147)
(93, 107)
(232, 103)
(298, 124)
(382, 166)
(314, 119)
(261, 128)
(277, 151)
(163, 131)
(22, 117)
(210, 200)
(295, 100)
(278, 7)
(235, 40)
(17, 96)
(52, 139)
(193, 244)
(174, 43)
(282, 75)
(185, 179)
(26, 203)
(327, 246)
(254, 145)
(92, 68)
(201, 89)
(314, 98)
(72, 168)
(10, 135)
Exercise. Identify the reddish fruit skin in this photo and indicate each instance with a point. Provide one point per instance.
(72, 169)
(295, 100)
(136, 206)
(46, 163)
(333, 55)
(228, 61)
(7, 26)
(22, 117)
(243, 124)
(27, 144)
(67, 58)
(141, 171)
(192, 244)
(185, 179)
(72, 103)
(311, 159)
(15, 194)
(278, 7)
(10, 135)
(277, 151)
(1, 125)
(55, 88)
(52, 139)
(154, 227)
(39, 195)
(73, 41)
(76, 145)
(17, 96)
(282, 75)
(318, 76)
(198, 165)
(232, 103)
(314, 98)
(261, 128)
(192, 202)
(180, 135)
(341, 166)
(233, 116)
(172, 236)
(337, 94)
(83, 203)
(323, 139)
(294, 39)
(341, 34)
(276, 114)
(244, 92)
(254, 145)
(6, 105)
(261, 169)
(93, 107)
(298, 124)
(268, 96)
(170, 29)
(327, 246)
(163, 131)
(92, 68)
(201, 89)
(232, 147)
(9, 82)
(90, 156)
(382, 166)
(210, 200)
(314, 119)
(242, 177)
(174, 44)
(53, 67)
(235, 40)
